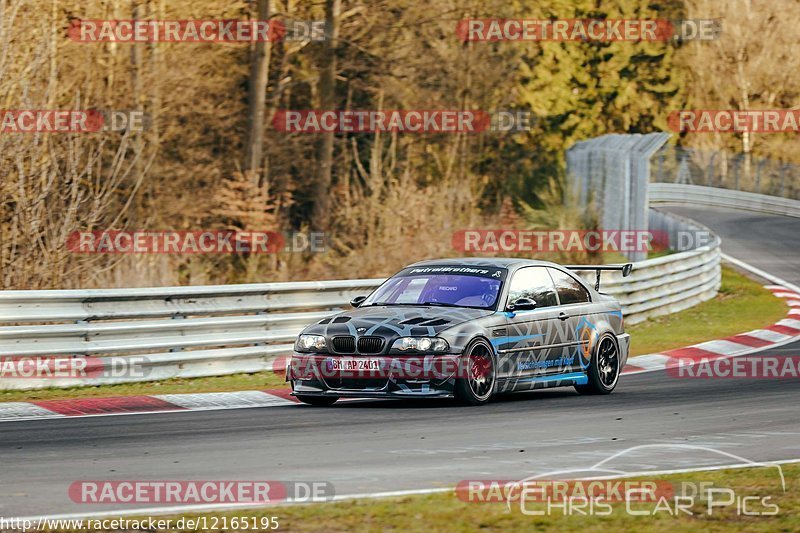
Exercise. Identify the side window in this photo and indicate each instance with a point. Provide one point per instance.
(570, 291)
(533, 283)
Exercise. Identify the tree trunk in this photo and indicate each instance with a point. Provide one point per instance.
(138, 8)
(327, 100)
(259, 77)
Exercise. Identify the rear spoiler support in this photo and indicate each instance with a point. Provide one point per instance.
(625, 269)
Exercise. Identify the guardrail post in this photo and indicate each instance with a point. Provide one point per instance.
(783, 180)
(177, 317)
(262, 312)
(758, 174)
(710, 176)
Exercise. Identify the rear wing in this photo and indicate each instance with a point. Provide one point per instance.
(625, 269)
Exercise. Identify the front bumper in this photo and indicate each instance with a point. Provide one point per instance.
(306, 390)
(421, 376)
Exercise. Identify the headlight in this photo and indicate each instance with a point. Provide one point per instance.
(310, 343)
(421, 344)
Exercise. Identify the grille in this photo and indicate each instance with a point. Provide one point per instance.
(344, 344)
(360, 384)
(370, 345)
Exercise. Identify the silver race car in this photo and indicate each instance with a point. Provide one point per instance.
(469, 329)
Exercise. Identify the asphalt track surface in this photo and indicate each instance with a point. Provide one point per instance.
(376, 446)
(771, 243)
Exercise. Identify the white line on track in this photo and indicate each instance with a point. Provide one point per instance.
(160, 511)
(758, 272)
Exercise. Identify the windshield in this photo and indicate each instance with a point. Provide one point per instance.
(475, 287)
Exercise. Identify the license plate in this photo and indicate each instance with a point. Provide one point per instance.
(355, 365)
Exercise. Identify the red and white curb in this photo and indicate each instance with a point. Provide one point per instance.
(162, 403)
(782, 332)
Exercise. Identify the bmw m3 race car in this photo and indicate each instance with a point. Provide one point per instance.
(469, 329)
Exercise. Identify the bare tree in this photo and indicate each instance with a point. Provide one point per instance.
(752, 65)
(327, 100)
(54, 184)
(259, 77)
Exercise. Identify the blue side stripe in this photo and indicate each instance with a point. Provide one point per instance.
(578, 377)
(503, 340)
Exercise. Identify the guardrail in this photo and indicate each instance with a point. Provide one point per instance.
(673, 282)
(712, 196)
(158, 333)
(176, 331)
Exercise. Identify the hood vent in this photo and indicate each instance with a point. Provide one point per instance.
(424, 322)
(434, 322)
(413, 321)
(324, 320)
(341, 319)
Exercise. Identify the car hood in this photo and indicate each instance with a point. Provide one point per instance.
(395, 321)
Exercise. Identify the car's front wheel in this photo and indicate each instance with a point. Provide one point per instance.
(604, 368)
(318, 401)
(477, 374)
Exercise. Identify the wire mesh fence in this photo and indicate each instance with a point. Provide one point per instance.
(612, 172)
(736, 171)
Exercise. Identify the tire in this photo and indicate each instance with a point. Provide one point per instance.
(317, 401)
(479, 385)
(603, 368)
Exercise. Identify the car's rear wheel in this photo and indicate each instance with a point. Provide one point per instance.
(477, 374)
(603, 368)
(317, 401)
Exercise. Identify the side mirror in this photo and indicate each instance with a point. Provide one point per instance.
(521, 304)
(358, 300)
(626, 270)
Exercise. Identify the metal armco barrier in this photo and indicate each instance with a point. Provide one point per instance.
(674, 282)
(712, 196)
(160, 333)
(167, 331)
